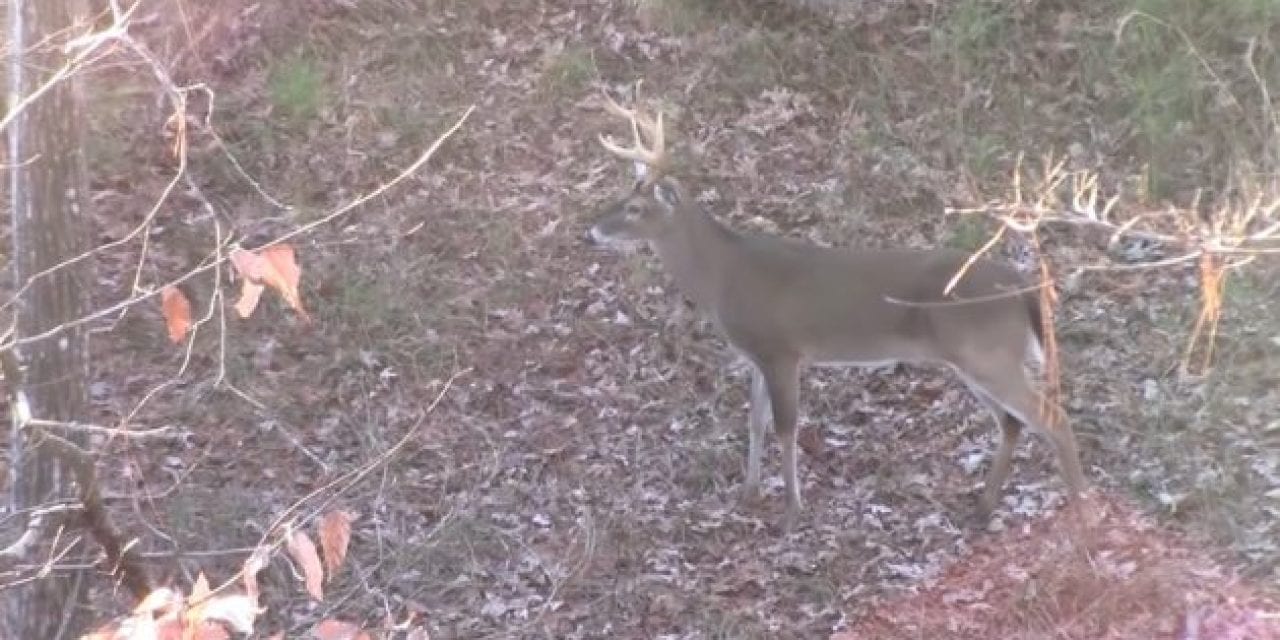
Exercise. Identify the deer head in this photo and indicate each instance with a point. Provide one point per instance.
(650, 208)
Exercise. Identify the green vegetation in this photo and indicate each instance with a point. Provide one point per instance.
(679, 17)
(296, 87)
(1194, 107)
(972, 34)
(568, 71)
(969, 233)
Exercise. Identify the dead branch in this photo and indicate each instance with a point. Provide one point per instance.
(122, 558)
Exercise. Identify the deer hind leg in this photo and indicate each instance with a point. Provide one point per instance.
(757, 420)
(1010, 389)
(1010, 429)
(782, 381)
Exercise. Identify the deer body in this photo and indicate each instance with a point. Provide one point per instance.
(785, 305)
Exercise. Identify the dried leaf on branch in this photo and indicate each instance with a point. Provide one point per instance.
(274, 267)
(177, 312)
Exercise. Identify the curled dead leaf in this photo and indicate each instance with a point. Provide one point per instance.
(335, 535)
(275, 267)
(177, 312)
(304, 553)
(331, 629)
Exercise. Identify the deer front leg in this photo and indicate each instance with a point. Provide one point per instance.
(757, 420)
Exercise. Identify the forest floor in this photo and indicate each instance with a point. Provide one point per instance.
(574, 437)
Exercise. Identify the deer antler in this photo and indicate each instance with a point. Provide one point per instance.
(654, 155)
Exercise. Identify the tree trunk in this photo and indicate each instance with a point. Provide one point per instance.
(48, 184)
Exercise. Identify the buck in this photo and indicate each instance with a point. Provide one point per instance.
(784, 304)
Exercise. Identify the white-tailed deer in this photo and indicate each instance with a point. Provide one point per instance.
(784, 304)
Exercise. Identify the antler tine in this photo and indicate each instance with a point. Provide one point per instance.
(615, 108)
(651, 128)
(652, 156)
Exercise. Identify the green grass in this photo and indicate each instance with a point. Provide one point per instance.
(984, 155)
(1192, 104)
(568, 72)
(755, 62)
(972, 34)
(373, 305)
(677, 17)
(296, 87)
(969, 233)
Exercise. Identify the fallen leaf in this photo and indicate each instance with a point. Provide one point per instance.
(177, 312)
(335, 534)
(194, 617)
(236, 610)
(331, 629)
(304, 552)
(158, 599)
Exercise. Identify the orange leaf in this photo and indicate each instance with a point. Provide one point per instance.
(273, 267)
(208, 630)
(284, 275)
(304, 552)
(335, 534)
(330, 629)
(177, 312)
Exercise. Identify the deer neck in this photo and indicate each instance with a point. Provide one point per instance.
(697, 253)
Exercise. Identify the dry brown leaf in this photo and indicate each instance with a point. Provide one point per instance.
(250, 293)
(177, 312)
(335, 534)
(209, 630)
(237, 610)
(274, 267)
(304, 553)
(284, 275)
(249, 265)
(331, 629)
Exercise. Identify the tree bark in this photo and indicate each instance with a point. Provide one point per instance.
(48, 185)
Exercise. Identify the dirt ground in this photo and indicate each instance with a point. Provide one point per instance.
(574, 434)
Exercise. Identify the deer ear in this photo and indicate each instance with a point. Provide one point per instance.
(667, 192)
